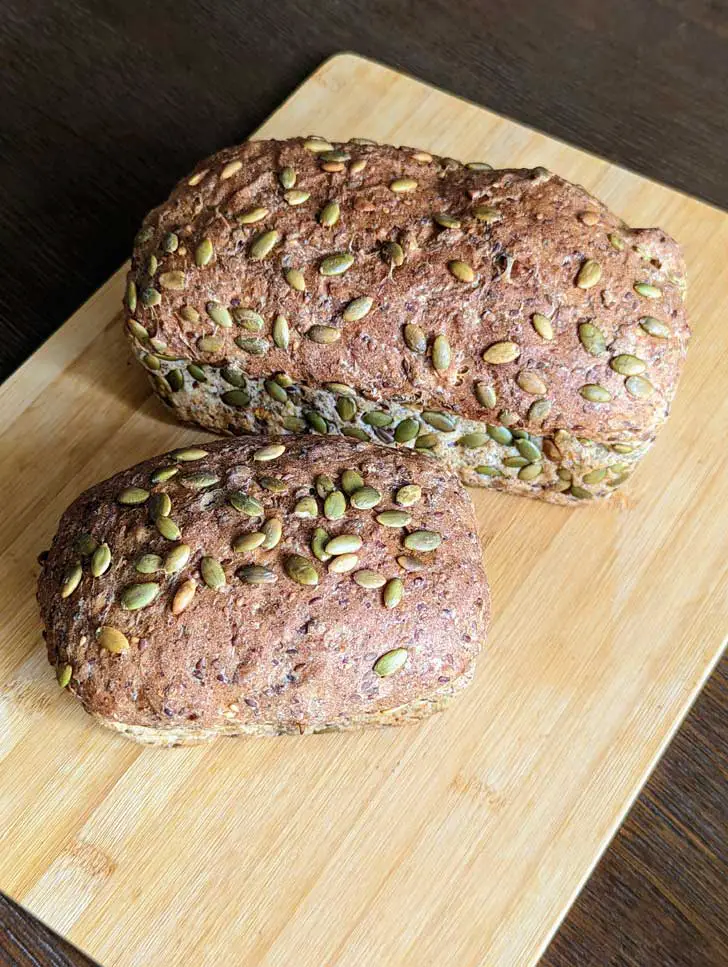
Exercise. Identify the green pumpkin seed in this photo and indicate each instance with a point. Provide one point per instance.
(508, 418)
(316, 421)
(144, 234)
(335, 505)
(199, 481)
(343, 544)
(346, 408)
(365, 498)
(188, 454)
(148, 563)
(176, 380)
(197, 373)
(618, 481)
(528, 450)
(357, 309)
(296, 280)
(500, 434)
(324, 485)
(252, 345)
(150, 297)
(318, 543)
(400, 185)
(233, 377)
(377, 418)
(170, 242)
(580, 493)
(653, 327)
(272, 531)
(71, 580)
(210, 344)
(64, 675)
(627, 365)
(168, 529)
(85, 545)
(484, 213)
(212, 573)
(273, 484)
(589, 274)
(515, 462)
(415, 338)
(441, 354)
(334, 155)
(391, 662)
(306, 507)
(440, 421)
(343, 563)
(543, 326)
(408, 563)
(132, 496)
(393, 254)
(101, 560)
(369, 579)
(281, 332)
(134, 597)
(323, 335)
(329, 214)
(592, 339)
(487, 471)
(473, 440)
(351, 481)
(423, 540)
(247, 318)
(485, 394)
(236, 397)
(531, 383)
(406, 430)
(478, 166)
(248, 542)
(131, 295)
(616, 241)
(408, 495)
(560, 487)
(175, 559)
(256, 574)
(189, 314)
(294, 424)
(391, 596)
(461, 270)
(160, 505)
(647, 291)
(263, 245)
(538, 411)
(595, 393)
(296, 197)
(394, 518)
(252, 216)
(204, 253)
(356, 433)
(275, 391)
(502, 352)
(336, 264)
(230, 169)
(270, 452)
(111, 639)
(444, 220)
(530, 472)
(152, 265)
(341, 388)
(287, 177)
(137, 330)
(639, 387)
(172, 280)
(594, 476)
(301, 570)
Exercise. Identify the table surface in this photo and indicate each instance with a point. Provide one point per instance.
(106, 103)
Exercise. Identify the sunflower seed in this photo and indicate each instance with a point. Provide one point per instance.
(203, 253)
(530, 471)
(408, 495)
(253, 345)
(423, 540)
(592, 339)
(543, 326)
(393, 254)
(357, 309)
(71, 580)
(256, 574)
(531, 383)
(343, 544)
(653, 327)
(415, 338)
(187, 454)
(444, 220)
(131, 496)
(248, 542)
(301, 570)
(335, 505)
(252, 216)
(316, 421)
(502, 352)
(647, 291)
(589, 274)
(336, 264)
(323, 335)
(183, 596)
(406, 430)
(197, 373)
(101, 560)
(441, 353)
(538, 411)
(627, 365)
(365, 498)
(484, 213)
(236, 397)
(351, 481)
(111, 639)
(473, 440)
(440, 421)
(231, 168)
(346, 408)
(500, 434)
(263, 245)
(306, 507)
(639, 387)
(391, 596)
(394, 518)
(136, 596)
(595, 393)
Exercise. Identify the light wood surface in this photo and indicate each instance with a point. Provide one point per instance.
(456, 843)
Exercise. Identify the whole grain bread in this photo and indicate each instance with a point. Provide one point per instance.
(505, 321)
(198, 593)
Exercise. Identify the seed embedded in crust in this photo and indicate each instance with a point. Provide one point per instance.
(394, 518)
(639, 387)
(402, 185)
(131, 496)
(272, 531)
(343, 563)
(441, 354)
(64, 675)
(270, 452)
(111, 639)
(502, 352)
(306, 507)
(257, 574)
(245, 504)
(177, 558)
(589, 274)
(531, 382)
(323, 335)
(415, 338)
(627, 365)
(204, 253)
(301, 570)
(365, 498)
(183, 596)
(408, 496)
(343, 544)
(461, 270)
(71, 580)
(655, 328)
(445, 220)
(424, 540)
(186, 454)
(263, 245)
(406, 430)
(336, 264)
(485, 394)
(329, 214)
(199, 481)
(137, 596)
(393, 593)
(351, 481)
(101, 560)
(595, 393)
(296, 280)
(543, 325)
(647, 291)
(252, 216)
(231, 168)
(357, 309)
(391, 662)
(473, 440)
(174, 280)
(369, 579)
(212, 573)
(592, 339)
(335, 505)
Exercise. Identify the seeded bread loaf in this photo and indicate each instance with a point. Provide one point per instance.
(266, 586)
(504, 321)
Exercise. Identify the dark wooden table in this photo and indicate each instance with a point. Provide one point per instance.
(107, 102)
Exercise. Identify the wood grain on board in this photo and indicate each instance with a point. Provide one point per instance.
(459, 842)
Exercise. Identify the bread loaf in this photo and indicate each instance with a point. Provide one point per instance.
(266, 586)
(504, 321)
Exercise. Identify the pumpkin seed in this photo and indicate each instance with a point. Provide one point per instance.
(394, 518)
(263, 245)
(175, 559)
(272, 531)
(281, 332)
(318, 542)
(336, 264)
(415, 338)
(538, 411)
(137, 330)
(248, 318)
(204, 253)
(85, 545)
(653, 327)
(589, 218)
(478, 166)
(595, 393)
(365, 498)
(270, 452)
(334, 155)
(502, 352)
(253, 345)
(335, 505)
(445, 220)
(306, 507)
(329, 214)
(294, 424)
(564, 474)
(160, 505)
(543, 326)
(287, 177)
(101, 560)
(592, 339)
(487, 471)
(391, 596)
(152, 265)
(485, 394)
(231, 168)
(560, 486)
(256, 574)
(423, 157)
(351, 481)
(236, 397)
(589, 274)
(210, 344)
(343, 563)
(189, 314)
(595, 476)
(168, 529)
(356, 433)
(580, 493)
(252, 216)
(627, 365)
(616, 241)
(199, 481)
(170, 242)
(618, 481)
(408, 495)
(275, 391)
(400, 185)
(324, 485)
(423, 540)
(515, 462)
(461, 270)
(356, 166)
(441, 354)
(528, 450)
(172, 280)
(357, 309)
(144, 234)
(296, 280)
(150, 297)
(71, 580)
(484, 213)
(131, 296)
(273, 484)
(248, 542)
(473, 440)
(64, 674)
(187, 454)
(530, 471)
(323, 335)
(440, 421)
(639, 387)
(408, 563)
(531, 383)
(647, 291)
(393, 254)
(131, 496)
(136, 596)
(406, 430)
(233, 377)
(296, 197)
(176, 380)
(500, 434)
(301, 570)
(197, 372)
(343, 544)
(346, 408)
(316, 421)
(343, 388)
(369, 579)
(111, 639)
(245, 504)
(212, 573)
(183, 596)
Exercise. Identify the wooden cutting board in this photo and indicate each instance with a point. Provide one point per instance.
(456, 843)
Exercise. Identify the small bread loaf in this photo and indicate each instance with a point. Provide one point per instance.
(504, 321)
(266, 586)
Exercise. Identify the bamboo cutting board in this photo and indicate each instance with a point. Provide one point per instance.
(456, 843)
